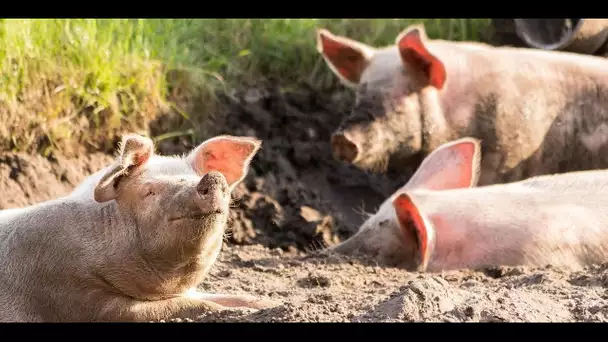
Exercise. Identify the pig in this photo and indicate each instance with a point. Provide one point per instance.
(130, 243)
(440, 220)
(535, 112)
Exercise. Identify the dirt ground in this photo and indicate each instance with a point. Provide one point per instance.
(297, 199)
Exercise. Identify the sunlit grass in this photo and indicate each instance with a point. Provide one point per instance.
(86, 81)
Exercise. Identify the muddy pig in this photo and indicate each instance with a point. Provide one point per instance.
(441, 221)
(536, 112)
(130, 243)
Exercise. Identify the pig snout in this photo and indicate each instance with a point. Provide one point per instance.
(356, 244)
(344, 148)
(212, 193)
(349, 246)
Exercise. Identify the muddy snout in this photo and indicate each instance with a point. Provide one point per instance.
(212, 193)
(344, 148)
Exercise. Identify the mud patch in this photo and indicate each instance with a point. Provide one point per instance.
(297, 197)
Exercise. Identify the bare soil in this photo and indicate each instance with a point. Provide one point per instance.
(297, 199)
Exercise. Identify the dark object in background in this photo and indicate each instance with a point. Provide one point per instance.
(584, 36)
(502, 33)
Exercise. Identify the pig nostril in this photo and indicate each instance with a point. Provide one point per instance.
(210, 183)
(344, 148)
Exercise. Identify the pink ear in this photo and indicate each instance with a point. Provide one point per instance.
(415, 55)
(347, 58)
(228, 155)
(135, 150)
(452, 165)
(413, 226)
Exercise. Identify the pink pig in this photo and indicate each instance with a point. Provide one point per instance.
(130, 243)
(440, 221)
(536, 112)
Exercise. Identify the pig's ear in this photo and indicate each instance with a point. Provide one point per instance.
(450, 166)
(414, 227)
(229, 155)
(134, 151)
(414, 54)
(345, 57)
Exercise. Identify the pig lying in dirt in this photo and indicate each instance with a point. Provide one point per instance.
(130, 243)
(536, 112)
(440, 221)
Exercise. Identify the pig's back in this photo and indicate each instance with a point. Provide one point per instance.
(505, 58)
(536, 112)
(584, 189)
(517, 224)
(590, 181)
(7, 214)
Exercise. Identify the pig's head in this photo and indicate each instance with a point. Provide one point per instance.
(176, 207)
(394, 87)
(396, 234)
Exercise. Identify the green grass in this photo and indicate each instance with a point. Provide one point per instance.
(87, 81)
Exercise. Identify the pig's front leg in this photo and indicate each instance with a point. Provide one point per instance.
(232, 301)
(191, 304)
(119, 310)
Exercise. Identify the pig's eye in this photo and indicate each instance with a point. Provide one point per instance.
(149, 193)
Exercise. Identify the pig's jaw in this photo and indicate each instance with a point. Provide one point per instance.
(393, 140)
(211, 229)
(372, 163)
(197, 216)
(193, 254)
(198, 212)
(211, 248)
(201, 230)
(384, 151)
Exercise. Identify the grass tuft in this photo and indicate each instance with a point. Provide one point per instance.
(68, 82)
